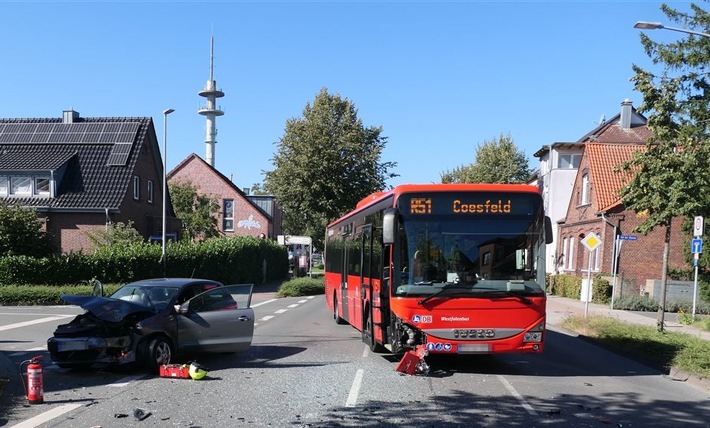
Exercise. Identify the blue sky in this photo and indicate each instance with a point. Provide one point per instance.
(439, 77)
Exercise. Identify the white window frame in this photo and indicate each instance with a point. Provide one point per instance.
(136, 187)
(26, 191)
(571, 160)
(570, 259)
(37, 186)
(228, 215)
(4, 182)
(584, 195)
(151, 191)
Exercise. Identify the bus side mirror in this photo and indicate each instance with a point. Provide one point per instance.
(390, 226)
(548, 230)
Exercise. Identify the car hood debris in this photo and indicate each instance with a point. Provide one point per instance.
(104, 308)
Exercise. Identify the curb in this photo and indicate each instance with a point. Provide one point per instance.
(679, 375)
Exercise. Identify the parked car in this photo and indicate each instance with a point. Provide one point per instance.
(150, 321)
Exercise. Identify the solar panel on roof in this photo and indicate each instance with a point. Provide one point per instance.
(93, 132)
(119, 154)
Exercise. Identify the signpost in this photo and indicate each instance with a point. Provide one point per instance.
(591, 242)
(696, 247)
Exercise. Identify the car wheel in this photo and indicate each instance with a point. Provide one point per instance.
(336, 312)
(157, 353)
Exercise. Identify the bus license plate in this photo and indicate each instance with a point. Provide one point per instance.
(476, 348)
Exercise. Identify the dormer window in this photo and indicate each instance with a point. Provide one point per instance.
(570, 161)
(42, 186)
(3, 186)
(20, 186)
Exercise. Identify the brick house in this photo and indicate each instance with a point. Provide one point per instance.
(595, 206)
(239, 214)
(82, 174)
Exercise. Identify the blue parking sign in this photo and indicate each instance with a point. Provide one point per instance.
(696, 246)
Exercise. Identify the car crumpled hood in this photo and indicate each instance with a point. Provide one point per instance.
(105, 308)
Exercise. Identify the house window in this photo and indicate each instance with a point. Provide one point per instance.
(20, 185)
(136, 188)
(570, 255)
(228, 217)
(570, 161)
(596, 257)
(150, 191)
(3, 186)
(42, 186)
(584, 196)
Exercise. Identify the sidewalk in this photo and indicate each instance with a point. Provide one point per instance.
(559, 308)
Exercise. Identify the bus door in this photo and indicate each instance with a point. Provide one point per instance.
(344, 301)
(365, 279)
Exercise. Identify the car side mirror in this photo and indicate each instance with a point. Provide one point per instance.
(182, 309)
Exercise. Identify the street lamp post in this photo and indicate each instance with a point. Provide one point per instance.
(645, 25)
(166, 112)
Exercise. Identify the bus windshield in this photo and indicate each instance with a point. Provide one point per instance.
(483, 244)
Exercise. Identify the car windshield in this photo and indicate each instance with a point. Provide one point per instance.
(154, 297)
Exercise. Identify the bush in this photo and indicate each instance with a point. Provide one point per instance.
(636, 303)
(30, 295)
(302, 287)
(570, 286)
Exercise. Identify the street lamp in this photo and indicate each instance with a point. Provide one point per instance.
(645, 25)
(166, 112)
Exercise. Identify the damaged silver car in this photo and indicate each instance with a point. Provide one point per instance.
(149, 321)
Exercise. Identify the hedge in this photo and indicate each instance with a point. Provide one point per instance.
(570, 286)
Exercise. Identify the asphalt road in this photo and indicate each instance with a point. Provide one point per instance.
(304, 370)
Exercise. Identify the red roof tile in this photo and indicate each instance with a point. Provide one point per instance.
(604, 160)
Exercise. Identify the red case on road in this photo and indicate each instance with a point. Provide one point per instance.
(181, 371)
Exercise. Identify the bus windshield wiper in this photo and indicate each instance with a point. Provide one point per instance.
(490, 292)
(447, 286)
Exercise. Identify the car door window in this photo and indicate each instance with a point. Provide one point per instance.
(222, 298)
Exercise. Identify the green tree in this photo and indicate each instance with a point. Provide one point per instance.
(197, 212)
(497, 161)
(116, 235)
(21, 233)
(671, 176)
(325, 163)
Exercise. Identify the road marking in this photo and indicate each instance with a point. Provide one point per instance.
(37, 321)
(302, 301)
(46, 416)
(280, 311)
(295, 305)
(125, 381)
(263, 303)
(517, 395)
(266, 318)
(365, 352)
(355, 389)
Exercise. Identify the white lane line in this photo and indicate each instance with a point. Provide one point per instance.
(46, 416)
(302, 301)
(517, 395)
(365, 352)
(125, 381)
(295, 305)
(37, 321)
(39, 348)
(263, 303)
(266, 318)
(355, 389)
(280, 311)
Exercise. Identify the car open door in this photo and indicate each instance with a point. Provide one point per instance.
(218, 320)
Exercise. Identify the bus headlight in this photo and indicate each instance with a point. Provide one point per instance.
(535, 334)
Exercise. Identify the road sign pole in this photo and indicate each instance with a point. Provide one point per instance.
(696, 257)
(587, 298)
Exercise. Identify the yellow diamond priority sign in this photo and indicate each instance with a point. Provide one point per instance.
(591, 241)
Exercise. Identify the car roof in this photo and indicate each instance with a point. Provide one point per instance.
(173, 282)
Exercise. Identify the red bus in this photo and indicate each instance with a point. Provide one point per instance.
(455, 268)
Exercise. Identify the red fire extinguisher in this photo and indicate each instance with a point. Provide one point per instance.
(34, 386)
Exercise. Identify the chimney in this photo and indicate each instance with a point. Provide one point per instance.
(70, 116)
(625, 120)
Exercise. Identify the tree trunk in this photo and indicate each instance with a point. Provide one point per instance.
(664, 279)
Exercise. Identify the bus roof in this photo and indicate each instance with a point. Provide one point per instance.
(436, 187)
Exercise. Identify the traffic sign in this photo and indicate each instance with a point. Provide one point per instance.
(591, 241)
(628, 237)
(696, 246)
(698, 226)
